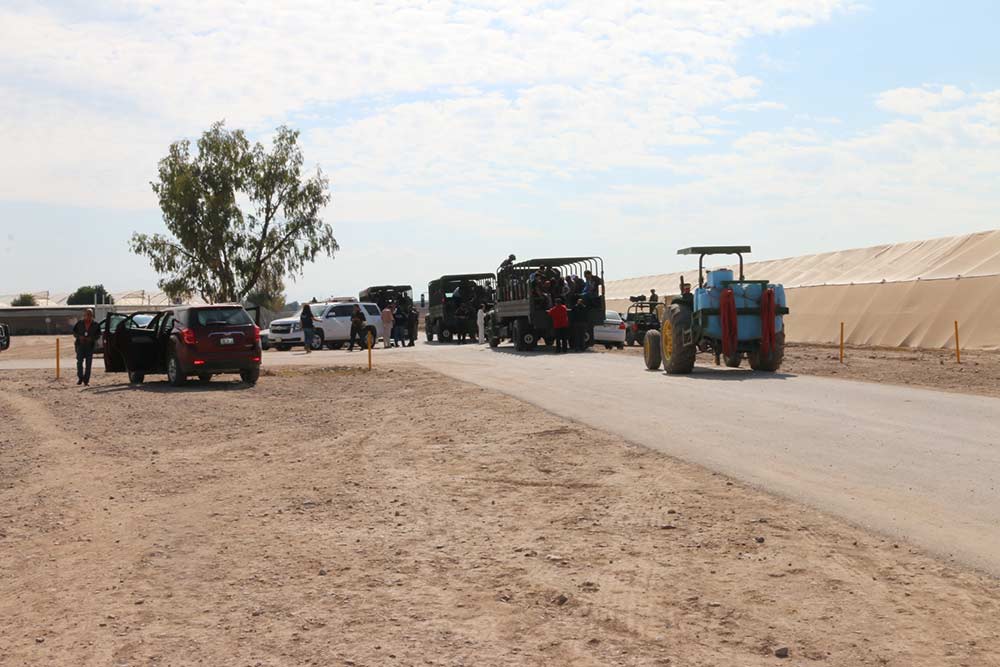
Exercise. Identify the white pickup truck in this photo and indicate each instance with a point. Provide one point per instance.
(332, 330)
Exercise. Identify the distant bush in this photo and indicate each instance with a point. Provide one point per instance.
(25, 300)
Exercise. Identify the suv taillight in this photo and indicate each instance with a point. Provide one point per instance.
(256, 333)
(187, 335)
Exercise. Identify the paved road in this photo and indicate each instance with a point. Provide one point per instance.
(919, 465)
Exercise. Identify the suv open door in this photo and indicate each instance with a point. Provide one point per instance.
(130, 343)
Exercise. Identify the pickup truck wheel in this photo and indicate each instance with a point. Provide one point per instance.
(135, 377)
(250, 375)
(174, 375)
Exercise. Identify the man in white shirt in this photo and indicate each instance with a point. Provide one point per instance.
(481, 322)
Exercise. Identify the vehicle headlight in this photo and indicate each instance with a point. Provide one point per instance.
(296, 326)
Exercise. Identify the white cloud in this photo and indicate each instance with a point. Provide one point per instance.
(915, 101)
(757, 106)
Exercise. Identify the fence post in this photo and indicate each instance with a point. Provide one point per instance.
(369, 337)
(841, 342)
(958, 348)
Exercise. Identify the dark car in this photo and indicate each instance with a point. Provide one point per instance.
(4, 337)
(190, 340)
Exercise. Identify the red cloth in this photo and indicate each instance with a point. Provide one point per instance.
(560, 316)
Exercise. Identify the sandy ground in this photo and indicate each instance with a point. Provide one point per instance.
(332, 516)
(979, 372)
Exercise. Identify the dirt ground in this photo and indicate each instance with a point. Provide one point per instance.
(979, 372)
(337, 517)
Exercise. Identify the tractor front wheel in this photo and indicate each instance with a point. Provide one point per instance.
(652, 350)
(678, 358)
(772, 362)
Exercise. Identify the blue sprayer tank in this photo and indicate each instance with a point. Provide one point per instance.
(747, 296)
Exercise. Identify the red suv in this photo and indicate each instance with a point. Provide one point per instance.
(189, 340)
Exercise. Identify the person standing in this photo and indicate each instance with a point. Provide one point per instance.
(481, 323)
(413, 324)
(85, 333)
(560, 322)
(387, 323)
(307, 321)
(578, 325)
(399, 331)
(357, 329)
(653, 297)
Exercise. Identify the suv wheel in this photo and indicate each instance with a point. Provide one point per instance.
(174, 375)
(135, 377)
(317, 340)
(250, 375)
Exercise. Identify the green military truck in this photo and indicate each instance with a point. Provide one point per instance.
(526, 290)
(383, 295)
(454, 302)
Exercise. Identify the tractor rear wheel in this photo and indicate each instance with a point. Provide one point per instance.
(652, 350)
(773, 361)
(678, 358)
(734, 361)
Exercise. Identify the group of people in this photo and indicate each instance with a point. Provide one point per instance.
(570, 324)
(546, 285)
(399, 323)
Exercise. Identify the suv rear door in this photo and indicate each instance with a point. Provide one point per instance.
(221, 329)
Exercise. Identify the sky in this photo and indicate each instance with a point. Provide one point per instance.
(454, 133)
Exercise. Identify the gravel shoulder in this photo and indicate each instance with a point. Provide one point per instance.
(979, 372)
(335, 516)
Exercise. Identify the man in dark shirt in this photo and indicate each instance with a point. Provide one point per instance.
(358, 323)
(85, 333)
(578, 321)
(412, 324)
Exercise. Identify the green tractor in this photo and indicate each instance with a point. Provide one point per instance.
(731, 318)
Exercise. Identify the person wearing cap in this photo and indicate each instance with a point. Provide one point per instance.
(85, 333)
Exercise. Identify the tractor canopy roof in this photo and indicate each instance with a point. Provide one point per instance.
(714, 250)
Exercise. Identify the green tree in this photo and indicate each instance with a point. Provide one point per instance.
(85, 295)
(24, 300)
(269, 295)
(213, 247)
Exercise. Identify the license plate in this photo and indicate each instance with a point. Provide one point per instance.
(226, 341)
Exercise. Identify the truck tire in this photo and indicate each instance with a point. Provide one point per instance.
(678, 358)
(135, 377)
(250, 375)
(652, 351)
(443, 333)
(629, 336)
(733, 362)
(317, 340)
(524, 337)
(773, 361)
(429, 331)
